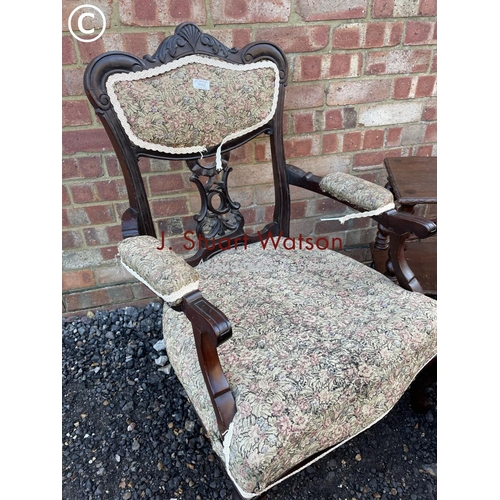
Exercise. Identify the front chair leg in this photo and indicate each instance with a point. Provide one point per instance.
(420, 402)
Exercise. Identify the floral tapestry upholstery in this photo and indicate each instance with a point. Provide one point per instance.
(322, 348)
(193, 103)
(359, 192)
(163, 271)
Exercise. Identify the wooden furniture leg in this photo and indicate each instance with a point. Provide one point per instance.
(420, 401)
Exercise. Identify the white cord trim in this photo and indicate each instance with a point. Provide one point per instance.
(358, 215)
(228, 436)
(193, 59)
(170, 298)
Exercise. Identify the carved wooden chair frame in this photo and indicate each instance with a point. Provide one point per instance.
(210, 325)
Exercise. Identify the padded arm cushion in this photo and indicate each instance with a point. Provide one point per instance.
(358, 192)
(163, 271)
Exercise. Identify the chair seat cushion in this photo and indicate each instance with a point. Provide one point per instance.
(322, 348)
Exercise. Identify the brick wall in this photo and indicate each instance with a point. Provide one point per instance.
(362, 86)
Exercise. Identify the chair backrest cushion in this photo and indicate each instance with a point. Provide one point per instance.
(193, 103)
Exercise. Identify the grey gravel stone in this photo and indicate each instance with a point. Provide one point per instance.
(139, 437)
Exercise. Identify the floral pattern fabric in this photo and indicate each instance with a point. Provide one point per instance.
(193, 103)
(163, 271)
(357, 191)
(322, 348)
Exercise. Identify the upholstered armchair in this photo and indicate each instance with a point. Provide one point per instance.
(284, 354)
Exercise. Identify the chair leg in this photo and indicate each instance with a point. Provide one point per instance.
(420, 401)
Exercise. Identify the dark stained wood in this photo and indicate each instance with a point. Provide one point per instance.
(413, 179)
(211, 328)
(411, 263)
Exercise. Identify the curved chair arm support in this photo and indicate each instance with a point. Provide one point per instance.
(211, 328)
(394, 221)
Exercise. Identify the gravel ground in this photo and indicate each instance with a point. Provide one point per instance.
(130, 433)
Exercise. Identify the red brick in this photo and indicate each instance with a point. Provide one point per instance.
(341, 65)
(427, 8)
(322, 10)
(310, 67)
(430, 112)
(250, 11)
(75, 113)
(347, 37)
(402, 87)
(238, 37)
(262, 151)
(89, 140)
(330, 143)
(72, 82)
(102, 235)
(145, 11)
(333, 119)
(251, 175)
(368, 159)
(113, 167)
(375, 33)
(68, 51)
(303, 122)
(383, 8)
(136, 43)
(298, 147)
(298, 209)
(243, 154)
(90, 299)
(423, 151)
(325, 205)
(373, 139)
(166, 183)
(394, 136)
(113, 189)
(351, 142)
(152, 13)
(425, 86)
(171, 206)
(86, 167)
(304, 96)
(355, 92)
(90, 50)
(109, 253)
(71, 239)
(77, 279)
(249, 214)
(140, 291)
(398, 61)
(100, 214)
(431, 133)
(296, 38)
(82, 193)
(419, 32)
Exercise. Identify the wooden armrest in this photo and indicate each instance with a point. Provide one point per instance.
(211, 328)
(396, 222)
(403, 222)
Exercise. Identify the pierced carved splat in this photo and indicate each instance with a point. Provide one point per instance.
(219, 215)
